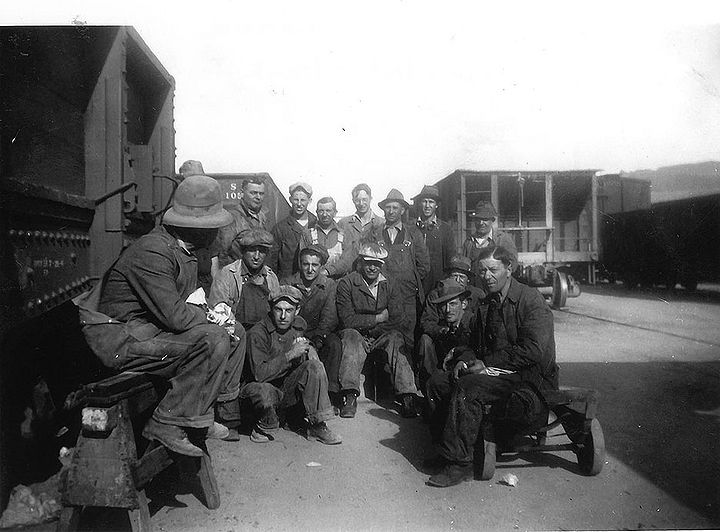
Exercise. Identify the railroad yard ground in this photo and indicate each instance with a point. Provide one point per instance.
(653, 355)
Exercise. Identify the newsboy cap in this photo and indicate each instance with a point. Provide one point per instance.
(483, 209)
(449, 289)
(287, 292)
(374, 252)
(460, 263)
(315, 249)
(300, 185)
(253, 237)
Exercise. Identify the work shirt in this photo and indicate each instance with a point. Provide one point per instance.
(266, 349)
(318, 305)
(353, 227)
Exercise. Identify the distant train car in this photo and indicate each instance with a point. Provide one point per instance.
(669, 243)
(551, 215)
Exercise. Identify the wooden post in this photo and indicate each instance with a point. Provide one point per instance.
(550, 242)
(462, 214)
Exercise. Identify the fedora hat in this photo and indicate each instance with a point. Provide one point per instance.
(449, 289)
(394, 195)
(483, 209)
(428, 191)
(197, 203)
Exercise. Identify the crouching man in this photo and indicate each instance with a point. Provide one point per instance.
(138, 319)
(516, 364)
(371, 312)
(286, 371)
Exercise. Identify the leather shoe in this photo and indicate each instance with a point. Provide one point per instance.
(408, 406)
(434, 463)
(349, 407)
(172, 437)
(217, 432)
(451, 475)
(321, 433)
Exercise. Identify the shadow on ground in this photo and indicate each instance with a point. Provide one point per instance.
(704, 293)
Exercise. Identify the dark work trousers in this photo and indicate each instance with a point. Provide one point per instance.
(331, 357)
(428, 358)
(193, 362)
(307, 383)
(456, 410)
(228, 405)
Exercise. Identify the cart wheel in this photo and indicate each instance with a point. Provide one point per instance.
(488, 460)
(591, 457)
(560, 290)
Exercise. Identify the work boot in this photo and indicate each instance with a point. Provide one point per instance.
(172, 437)
(349, 407)
(451, 475)
(217, 432)
(434, 464)
(321, 433)
(407, 408)
(260, 436)
(233, 434)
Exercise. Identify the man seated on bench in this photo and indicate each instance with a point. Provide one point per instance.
(516, 358)
(287, 371)
(137, 319)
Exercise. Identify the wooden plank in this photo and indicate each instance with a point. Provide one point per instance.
(155, 460)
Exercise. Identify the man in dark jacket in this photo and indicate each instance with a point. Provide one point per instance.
(517, 353)
(286, 371)
(137, 319)
(485, 234)
(438, 235)
(374, 322)
(289, 231)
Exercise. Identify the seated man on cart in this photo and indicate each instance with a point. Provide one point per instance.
(514, 365)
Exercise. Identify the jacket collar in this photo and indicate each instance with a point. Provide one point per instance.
(239, 266)
(295, 226)
(320, 281)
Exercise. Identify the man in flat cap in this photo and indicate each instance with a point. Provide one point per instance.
(286, 371)
(438, 235)
(407, 263)
(247, 214)
(328, 235)
(137, 318)
(354, 225)
(374, 323)
(289, 231)
(485, 234)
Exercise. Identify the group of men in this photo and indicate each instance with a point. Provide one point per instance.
(290, 315)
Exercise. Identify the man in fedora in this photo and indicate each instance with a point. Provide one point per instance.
(374, 323)
(137, 319)
(438, 235)
(407, 263)
(485, 234)
(289, 231)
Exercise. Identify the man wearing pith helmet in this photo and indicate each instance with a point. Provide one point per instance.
(438, 235)
(485, 234)
(286, 371)
(137, 318)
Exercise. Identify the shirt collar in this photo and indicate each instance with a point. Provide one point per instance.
(379, 279)
(398, 226)
(370, 217)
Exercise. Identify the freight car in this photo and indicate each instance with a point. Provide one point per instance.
(551, 215)
(669, 243)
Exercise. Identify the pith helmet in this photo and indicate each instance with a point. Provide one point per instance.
(394, 195)
(197, 203)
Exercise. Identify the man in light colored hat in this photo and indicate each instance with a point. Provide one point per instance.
(485, 234)
(438, 235)
(454, 331)
(407, 262)
(328, 235)
(289, 231)
(374, 322)
(138, 318)
(286, 371)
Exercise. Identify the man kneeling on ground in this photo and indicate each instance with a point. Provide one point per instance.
(286, 370)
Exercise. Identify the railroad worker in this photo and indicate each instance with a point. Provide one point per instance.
(137, 319)
(374, 323)
(328, 235)
(289, 231)
(516, 363)
(354, 225)
(247, 214)
(245, 284)
(485, 234)
(286, 371)
(438, 235)
(455, 329)
(408, 262)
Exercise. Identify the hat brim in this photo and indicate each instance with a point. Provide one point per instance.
(452, 269)
(428, 196)
(449, 297)
(210, 221)
(384, 202)
(371, 259)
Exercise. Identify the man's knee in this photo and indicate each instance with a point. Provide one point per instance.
(425, 342)
(314, 368)
(261, 394)
(351, 337)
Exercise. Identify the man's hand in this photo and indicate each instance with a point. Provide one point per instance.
(382, 317)
(444, 330)
(448, 359)
(477, 366)
(299, 349)
(459, 370)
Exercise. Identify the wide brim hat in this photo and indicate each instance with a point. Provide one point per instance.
(197, 203)
(430, 192)
(394, 195)
(449, 289)
(484, 210)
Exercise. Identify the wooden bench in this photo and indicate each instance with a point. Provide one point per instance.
(106, 469)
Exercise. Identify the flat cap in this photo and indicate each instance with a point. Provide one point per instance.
(300, 185)
(315, 249)
(290, 293)
(253, 237)
(374, 252)
(460, 263)
(483, 209)
(449, 289)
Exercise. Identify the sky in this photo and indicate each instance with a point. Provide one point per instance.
(398, 94)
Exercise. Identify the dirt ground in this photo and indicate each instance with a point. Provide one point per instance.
(653, 355)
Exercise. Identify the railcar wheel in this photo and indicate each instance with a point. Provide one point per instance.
(591, 457)
(560, 290)
(486, 467)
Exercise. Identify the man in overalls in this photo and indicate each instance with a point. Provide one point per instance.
(328, 235)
